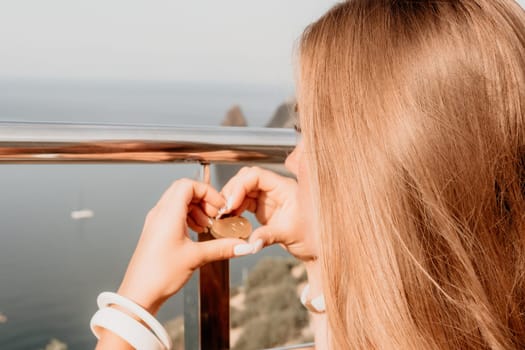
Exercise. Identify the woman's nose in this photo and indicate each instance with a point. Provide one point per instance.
(292, 161)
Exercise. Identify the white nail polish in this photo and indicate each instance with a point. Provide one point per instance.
(220, 213)
(242, 249)
(229, 203)
(257, 246)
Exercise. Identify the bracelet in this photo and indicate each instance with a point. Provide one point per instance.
(315, 305)
(107, 298)
(125, 327)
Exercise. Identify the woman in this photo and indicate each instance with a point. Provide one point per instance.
(409, 205)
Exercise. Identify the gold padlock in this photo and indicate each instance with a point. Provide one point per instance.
(231, 227)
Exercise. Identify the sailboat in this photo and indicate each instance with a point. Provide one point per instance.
(82, 213)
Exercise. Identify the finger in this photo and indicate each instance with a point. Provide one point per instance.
(249, 204)
(202, 192)
(209, 209)
(263, 237)
(252, 205)
(196, 228)
(223, 248)
(249, 181)
(191, 191)
(253, 194)
(198, 215)
(182, 193)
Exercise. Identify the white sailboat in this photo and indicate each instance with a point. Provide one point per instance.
(82, 214)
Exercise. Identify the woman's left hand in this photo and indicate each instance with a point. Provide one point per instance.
(165, 256)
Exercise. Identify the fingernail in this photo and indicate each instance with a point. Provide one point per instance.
(257, 246)
(242, 249)
(210, 222)
(227, 207)
(229, 203)
(220, 213)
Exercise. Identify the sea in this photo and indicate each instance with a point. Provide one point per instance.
(53, 267)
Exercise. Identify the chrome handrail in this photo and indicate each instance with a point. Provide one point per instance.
(23, 142)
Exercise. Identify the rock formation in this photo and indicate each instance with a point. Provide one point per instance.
(234, 117)
(283, 117)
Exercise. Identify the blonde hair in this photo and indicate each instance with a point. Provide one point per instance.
(413, 120)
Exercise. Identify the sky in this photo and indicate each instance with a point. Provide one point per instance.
(242, 41)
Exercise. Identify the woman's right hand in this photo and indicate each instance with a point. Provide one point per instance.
(273, 199)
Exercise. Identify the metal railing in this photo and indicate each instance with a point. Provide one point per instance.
(22, 142)
(207, 296)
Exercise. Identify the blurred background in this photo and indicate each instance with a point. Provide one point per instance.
(145, 62)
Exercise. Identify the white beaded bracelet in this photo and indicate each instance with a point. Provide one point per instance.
(125, 327)
(108, 298)
(315, 305)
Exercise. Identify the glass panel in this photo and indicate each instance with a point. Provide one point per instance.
(53, 266)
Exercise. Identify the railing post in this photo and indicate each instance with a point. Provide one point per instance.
(207, 301)
(214, 295)
(214, 287)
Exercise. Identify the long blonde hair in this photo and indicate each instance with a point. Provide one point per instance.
(414, 129)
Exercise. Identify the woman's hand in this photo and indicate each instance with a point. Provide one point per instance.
(165, 256)
(273, 199)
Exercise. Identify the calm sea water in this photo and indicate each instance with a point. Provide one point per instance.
(51, 267)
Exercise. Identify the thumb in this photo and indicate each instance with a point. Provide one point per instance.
(262, 237)
(222, 248)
